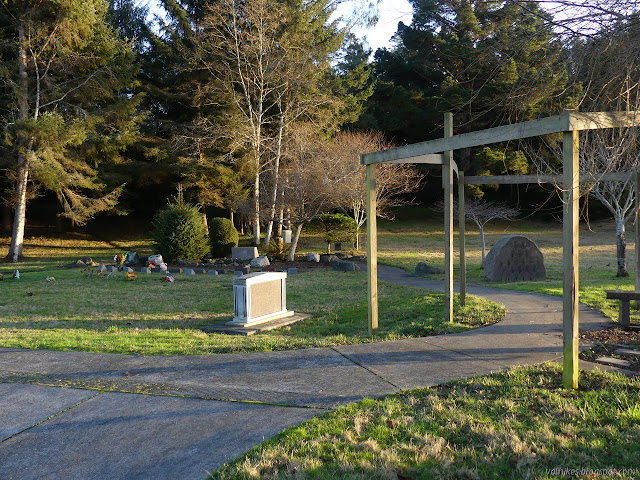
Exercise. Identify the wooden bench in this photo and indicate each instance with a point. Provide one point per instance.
(625, 297)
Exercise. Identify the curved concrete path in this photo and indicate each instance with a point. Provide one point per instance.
(133, 417)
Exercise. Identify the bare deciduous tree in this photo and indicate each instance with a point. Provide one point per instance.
(608, 67)
(393, 180)
(310, 178)
(483, 211)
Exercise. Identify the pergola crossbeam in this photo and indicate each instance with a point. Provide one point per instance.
(566, 121)
(555, 179)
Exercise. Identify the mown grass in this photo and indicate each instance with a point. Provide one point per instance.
(519, 424)
(151, 317)
(421, 240)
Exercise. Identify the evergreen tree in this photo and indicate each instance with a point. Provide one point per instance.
(489, 63)
(61, 66)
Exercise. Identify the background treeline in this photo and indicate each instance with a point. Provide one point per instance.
(258, 109)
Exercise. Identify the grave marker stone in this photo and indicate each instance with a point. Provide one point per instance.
(260, 297)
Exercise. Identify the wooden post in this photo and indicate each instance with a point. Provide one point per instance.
(570, 240)
(447, 180)
(461, 239)
(372, 249)
(637, 179)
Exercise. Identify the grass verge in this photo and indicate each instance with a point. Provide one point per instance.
(151, 317)
(518, 424)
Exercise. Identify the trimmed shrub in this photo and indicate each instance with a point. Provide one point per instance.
(180, 234)
(223, 236)
(337, 227)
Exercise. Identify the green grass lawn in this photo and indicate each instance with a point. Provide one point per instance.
(151, 317)
(404, 244)
(519, 424)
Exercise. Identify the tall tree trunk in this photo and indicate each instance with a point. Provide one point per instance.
(621, 247)
(206, 223)
(294, 243)
(274, 191)
(280, 221)
(482, 244)
(20, 215)
(256, 209)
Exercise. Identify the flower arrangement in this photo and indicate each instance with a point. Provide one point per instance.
(162, 266)
(131, 276)
(50, 279)
(119, 259)
(167, 278)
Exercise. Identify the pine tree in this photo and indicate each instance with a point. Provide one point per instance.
(61, 64)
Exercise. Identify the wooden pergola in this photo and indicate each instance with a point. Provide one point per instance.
(440, 152)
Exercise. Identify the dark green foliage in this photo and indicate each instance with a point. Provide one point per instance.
(223, 236)
(180, 234)
(337, 227)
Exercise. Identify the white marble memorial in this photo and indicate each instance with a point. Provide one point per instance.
(260, 297)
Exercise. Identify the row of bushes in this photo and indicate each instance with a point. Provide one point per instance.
(179, 232)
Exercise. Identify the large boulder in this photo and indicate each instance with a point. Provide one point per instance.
(513, 258)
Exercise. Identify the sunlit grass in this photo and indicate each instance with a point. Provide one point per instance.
(149, 316)
(520, 424)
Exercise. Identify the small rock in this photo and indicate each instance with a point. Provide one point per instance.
(313, 257)
(262, 261)
(76, 264)
(328, 258)
(424, 269)
(88, 261)
(345, 266)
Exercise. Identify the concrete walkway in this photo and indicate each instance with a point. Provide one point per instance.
(179, 417)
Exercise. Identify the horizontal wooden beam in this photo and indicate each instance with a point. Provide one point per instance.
(431, 159)
(567, 121)
(522, 179)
